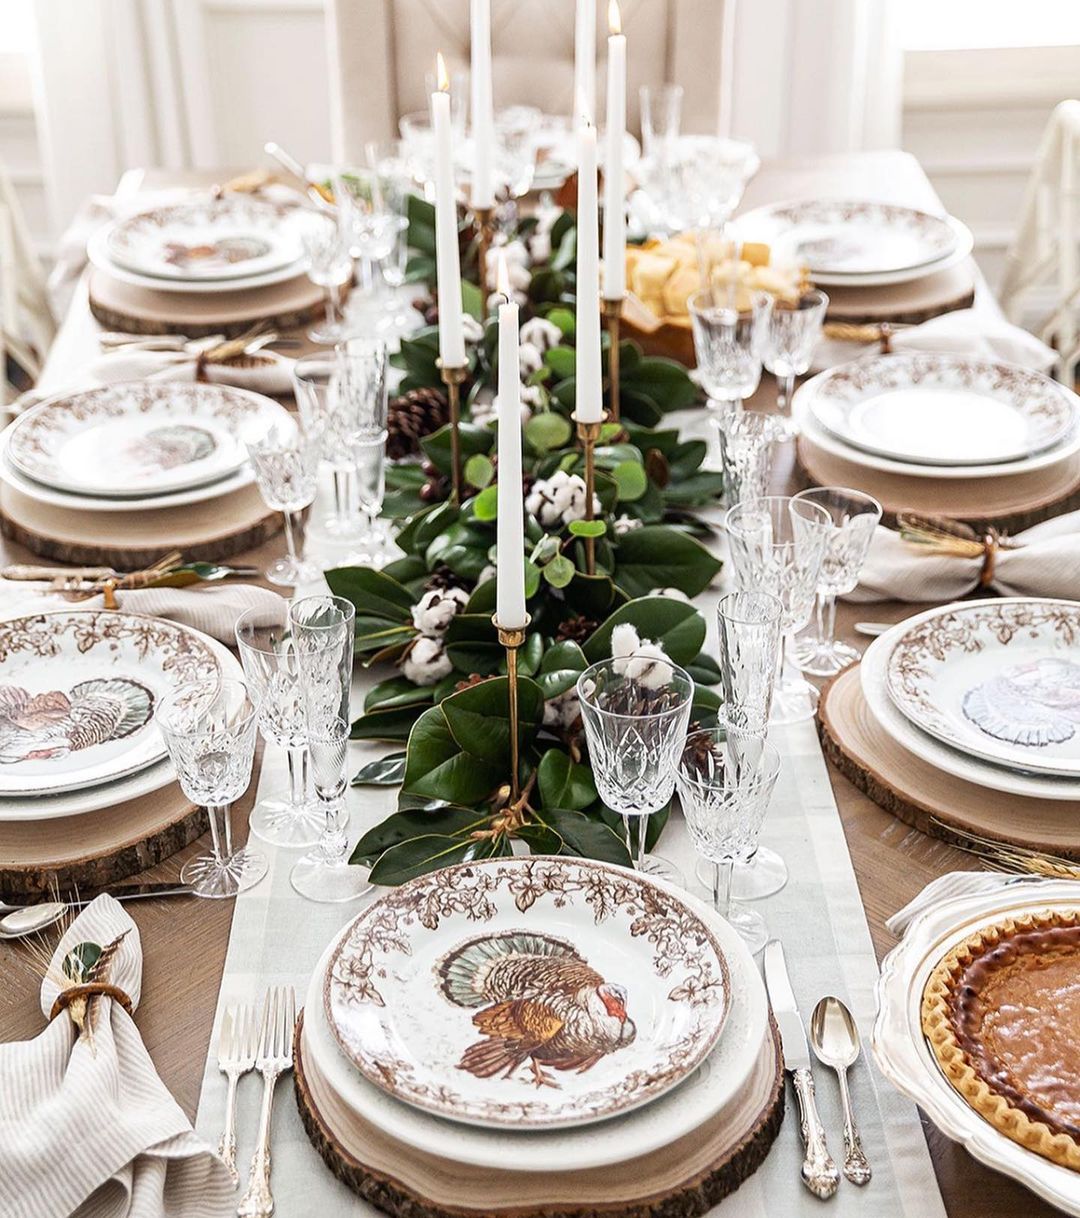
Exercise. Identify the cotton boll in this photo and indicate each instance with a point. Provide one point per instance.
(673, 594)
(426, 661)
(435, 610)
(649, 666)
(541, 333)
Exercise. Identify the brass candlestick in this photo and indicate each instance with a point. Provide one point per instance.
(452, 378)
(588, 434)
(512, 637)
(612, 313)
(484, 224)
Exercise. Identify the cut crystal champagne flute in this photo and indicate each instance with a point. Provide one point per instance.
(727, 343)
(363, 402)
(635, 710)
(724, 799)
(746, 440)
(324, 629)
(777, 544)
(330, 266)
(317, 388)
(286, 463)
(790, 338)
(209, 729)
(855, 516)
(371, 227)
(273, 676)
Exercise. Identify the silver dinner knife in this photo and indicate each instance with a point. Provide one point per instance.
(819, 1172)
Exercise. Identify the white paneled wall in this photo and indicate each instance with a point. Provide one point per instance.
(19, 149)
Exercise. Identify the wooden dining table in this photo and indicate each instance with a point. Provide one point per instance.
(184, 943)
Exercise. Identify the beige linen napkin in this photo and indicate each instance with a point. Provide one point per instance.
(213, 610)
(1047, 563)
(87, 1128)
(263, 372)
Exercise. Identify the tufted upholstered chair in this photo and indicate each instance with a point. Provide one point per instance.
(380, 51)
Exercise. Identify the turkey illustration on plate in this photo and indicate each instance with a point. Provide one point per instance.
(540, 1004)
(37, 727)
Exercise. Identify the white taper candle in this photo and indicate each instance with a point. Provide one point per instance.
(510, 525)
(589, 379)
(584, 62)
(448, 264)
(614, 179)
(483, 120)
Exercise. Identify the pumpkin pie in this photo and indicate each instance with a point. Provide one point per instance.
(1002, 1014)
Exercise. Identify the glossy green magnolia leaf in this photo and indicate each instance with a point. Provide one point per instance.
(421, 529)
(421, 855)
(388, 771)
(483, 598)
(472, 300)
(392, 723)
(530, 654)
(404, 826)
(437, 767)
(631, 480)
(376, 634)
(704, 669)
(563, 783)
(584, 836)
(396, 691)
(474, 439)
(541, 839)
(665, 381)
(591, 595)
(478, 719)
(560, 668)
(678, 627)
(658, 556)
(374, 593)
(548, 430)
(472, 644)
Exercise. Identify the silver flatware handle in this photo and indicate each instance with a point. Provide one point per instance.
(856, 1165)
(258, 1201)
(819, 1172)
(227, 1144)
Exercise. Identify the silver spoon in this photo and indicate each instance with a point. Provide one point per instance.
(27, 921)
(836, 1043)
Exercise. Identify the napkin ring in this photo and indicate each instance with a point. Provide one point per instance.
(990, 552)
(89, 990)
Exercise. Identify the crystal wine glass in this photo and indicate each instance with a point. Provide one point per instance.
(286, 463)
(362, 393)
(372, 228)
(790, 338)
(635, 710)
(724, 800)
(728, 344)
(330, 266)
(209, 729)
(324, 629)
(273, 676)
(317, 388)
(777, 544)
(855, 516)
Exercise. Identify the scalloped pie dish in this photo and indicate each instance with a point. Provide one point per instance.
(1002, 1015)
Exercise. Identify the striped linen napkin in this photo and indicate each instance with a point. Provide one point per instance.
(945, 887)
(87, 1128)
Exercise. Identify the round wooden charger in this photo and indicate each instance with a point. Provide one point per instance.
(1009, 504)
(122, 306)
(210, 531)
(905, 303)
(97, 848)
(686, 1178)
(919, 794)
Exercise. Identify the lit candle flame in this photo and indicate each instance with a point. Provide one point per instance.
(502, 277)
(614, 17)
(441, 74)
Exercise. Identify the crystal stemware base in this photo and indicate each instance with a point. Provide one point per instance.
(763, 876)
(660, 868)
(793, 701)
(327, 333)
(281, 823)
(289, 572)
(218, 877)
(329, 881)
(823, 659)
(749, 925)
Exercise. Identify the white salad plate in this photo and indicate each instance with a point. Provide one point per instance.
(140, 438)
(807, 425)
(997, 679)
(78, 691)
(226, 238)
(872, 678)
(712, 1087)
(528, 993)
(929, 408)
(907, 1061)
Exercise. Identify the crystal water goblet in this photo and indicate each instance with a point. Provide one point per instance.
(286, 464)
(727, 344)
(364, 404)
(209, 729)
(324, 630)
(855, 516)
(317, 388)
(790, 338)
(635, 710)
(777, 544)
(330, 266)
(372, 228)
(746, 452)
(724, 800)
(272, 671)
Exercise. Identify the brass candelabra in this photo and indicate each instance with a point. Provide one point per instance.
(484, 225)
(588, 434)
(453, 378)
(511, 638)
(612, 314)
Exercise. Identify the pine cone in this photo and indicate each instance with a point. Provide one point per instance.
(576, 629)
(411, 417)
(443, 578)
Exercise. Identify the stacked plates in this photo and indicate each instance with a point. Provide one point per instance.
(941, 416)
(78, 691)
(527, 1015)
(211, 245)
(858, 243)
(987, 691)
(136, 446)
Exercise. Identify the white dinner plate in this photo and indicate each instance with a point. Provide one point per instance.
(905, 1058)
(616, 989)
(708, 1091)
(827, 442)
(225, 238)
(930, 408)
(927, 748)
(140, 439)
(998, 679)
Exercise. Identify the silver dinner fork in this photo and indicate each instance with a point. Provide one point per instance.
(274, 1057)
(236, 1056)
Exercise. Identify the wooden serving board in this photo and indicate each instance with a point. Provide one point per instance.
(289, 305)
(210, 531)
(686, 1178)
(97, 848)
(1009, 504)
(921, 795)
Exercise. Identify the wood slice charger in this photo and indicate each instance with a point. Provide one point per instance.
(686, 1178)
(921, 795)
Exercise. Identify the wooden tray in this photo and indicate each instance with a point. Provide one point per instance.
(97, 848)
(1010, 503)
(122, 306)
(686, 1178)
(210, 531)
(925, 797)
